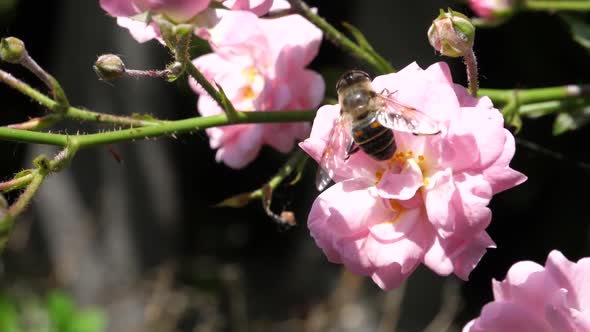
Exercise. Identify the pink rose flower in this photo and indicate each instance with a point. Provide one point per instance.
(177, 10)
(260, 63)
(428, 203)
(536, 298)
(491, 8)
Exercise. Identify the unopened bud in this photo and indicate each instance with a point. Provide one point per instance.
(493, 9)
(452, 34)
(109, 67)
(12, 50)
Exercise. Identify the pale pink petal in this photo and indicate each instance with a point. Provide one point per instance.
(241, 149)
(119, 7)
(391, 276)
(558, 313)
(439, 201)
(507, 317)
(140, 31)
(258, 7)
(572, 276)
(179, 10)
(499, 174)
(470, 205)
(466, 257)
(490, 136)
(292, 37)
(238, 38)
(308, 90)
(280, 136)
(437, 259)
(402, 185)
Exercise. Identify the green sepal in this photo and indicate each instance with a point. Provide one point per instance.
(572, 120)
(579, 28)
(236, 201)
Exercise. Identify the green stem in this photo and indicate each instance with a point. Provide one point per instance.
(295, 162)
(17, 183)
(557, 5)
(58, 93)
(217, 94)
(162, 129)
(535, 110)
(337, 38)
(536, 95)
(27, 90)
(7, 223)
(472, 76)
(37, 123)
(71, 112)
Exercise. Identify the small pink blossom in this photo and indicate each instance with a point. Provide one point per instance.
(536, 298)
(260, 63)
(428, 203)
(491, 8)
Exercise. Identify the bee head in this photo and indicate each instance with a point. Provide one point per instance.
(350, 78)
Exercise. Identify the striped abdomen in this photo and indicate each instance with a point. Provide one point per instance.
(376, 140)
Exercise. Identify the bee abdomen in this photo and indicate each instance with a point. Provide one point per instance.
(374, 139)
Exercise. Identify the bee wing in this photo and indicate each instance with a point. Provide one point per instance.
(333, 155)
(400, 117)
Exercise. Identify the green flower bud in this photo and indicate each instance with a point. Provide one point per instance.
(109, 67)
(12, 50)
(452, 34)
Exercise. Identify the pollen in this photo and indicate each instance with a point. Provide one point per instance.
(426, 181)
(395, 205)
(375, 125)
(378, 176)
(421, 158)
(248, 93)
(250, 74)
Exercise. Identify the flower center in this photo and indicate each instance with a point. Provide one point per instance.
(397, 162)
(398, 208)
(254, 83)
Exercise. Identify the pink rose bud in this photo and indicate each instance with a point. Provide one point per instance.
(12, 50)
(452, 34)
(532, 297)
(492, 9)
(109, 67)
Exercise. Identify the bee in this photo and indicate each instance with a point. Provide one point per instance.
(367, 120)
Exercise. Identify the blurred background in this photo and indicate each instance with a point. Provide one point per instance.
(137, 245)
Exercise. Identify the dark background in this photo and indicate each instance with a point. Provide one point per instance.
(141, 240)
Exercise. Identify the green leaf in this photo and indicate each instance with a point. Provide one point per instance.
(236, 201)
(87, 321)
(60, 308)
(579, 28)
(8, 316)
(145, 17)
(358, 36)
(572, 120)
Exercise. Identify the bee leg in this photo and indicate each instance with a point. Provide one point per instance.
(385, 92)
(351, 149)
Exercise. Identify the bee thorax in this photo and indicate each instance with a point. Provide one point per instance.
(356, 100)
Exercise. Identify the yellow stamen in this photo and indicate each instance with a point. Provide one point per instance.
(248, 93)
(378, 176)
(395, 205)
